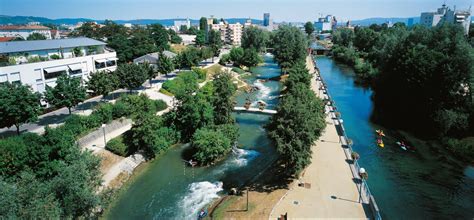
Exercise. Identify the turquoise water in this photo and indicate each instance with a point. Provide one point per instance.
(425, 184)
(169, 190)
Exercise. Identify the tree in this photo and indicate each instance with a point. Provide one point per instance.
(214, 42)
(141, 42)
(160, 35)
(255, 38)
(123, 46)
(343, 37)
(36, 36)
(210, 145)
(224, 90)
(102, 83)
(192, 30)
(88, 29)
(18, 105)
(131, 76)
(289, 45)
(68, 92)
(309, 28)
(183, 29)
(188, 58)
(298, 74)
(200, 38)
(203, 24)
(165, 65)
(236, 54)
(206, 53)
(250, 58)
(174, 37)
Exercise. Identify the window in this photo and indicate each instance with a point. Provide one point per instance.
(51, 75)
(73, 72)
(111, 63)
(99, 65)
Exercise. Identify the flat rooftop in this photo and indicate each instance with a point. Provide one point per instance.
(35, 45)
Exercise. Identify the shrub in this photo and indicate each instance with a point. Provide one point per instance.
(104, 113)
(210, 145)
(238, 70)
(119, 110)
(201, 74)
(55, 57)
(76, 124)
(166, 92)
(117, 146)
(160, 105)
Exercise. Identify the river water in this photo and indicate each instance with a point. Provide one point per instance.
(169, 190)
(424, 184)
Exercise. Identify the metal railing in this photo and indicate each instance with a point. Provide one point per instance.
(355, 167)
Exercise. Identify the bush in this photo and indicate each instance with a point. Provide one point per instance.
(104, 113)
(201, 74)
(76, 124)
(179, 84)
(55, 57)
(238, 70)
(119, 110)
(166, 92)
(160, 105)
(211, 145)
(117, 146)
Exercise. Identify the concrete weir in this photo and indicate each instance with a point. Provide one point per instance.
(255, 110)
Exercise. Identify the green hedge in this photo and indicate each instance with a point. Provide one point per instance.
(117, 146)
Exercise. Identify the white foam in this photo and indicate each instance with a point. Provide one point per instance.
(264, 91)
(198, 196)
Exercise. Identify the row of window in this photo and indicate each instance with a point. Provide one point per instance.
(108, 63)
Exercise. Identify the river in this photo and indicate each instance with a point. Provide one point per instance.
(167, 189)
(424, 184)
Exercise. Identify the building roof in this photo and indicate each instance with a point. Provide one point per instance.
(153, 57)
(24, 27)
(5, 39)
(34, 45)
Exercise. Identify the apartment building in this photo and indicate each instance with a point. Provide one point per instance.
(39, 63)
(230, 33)
(24, 31)
(445, 14)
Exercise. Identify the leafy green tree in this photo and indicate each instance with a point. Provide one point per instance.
(68, 92)
(141, 42)
(343, 37)
(192, 113)
(214, 41)
(36, 36)
(18, 105)
(225, 58)
(365, 38)
(289, 45)
(224, 90)
(174, 38)
(200, 38)
(151, 136)
(160, 35)
(87, 29)
(298, 123)
(206, 53)
(298, 74)
(131, 76)
(203, 26)
(188, 58)
(165, 65)
(110, 29)
(251, 58)
(102, 83)
(183, 29)
(192, 30)
(210, 145)
(236, 54)
(123, 46)
(309, 28)
(255, 38)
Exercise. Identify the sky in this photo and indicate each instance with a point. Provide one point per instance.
(280, 10)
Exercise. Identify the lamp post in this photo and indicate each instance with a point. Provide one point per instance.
(363, 176)
(103, 131)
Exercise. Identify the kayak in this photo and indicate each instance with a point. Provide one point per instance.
(202, 214)
(380, 143)
(402, 146)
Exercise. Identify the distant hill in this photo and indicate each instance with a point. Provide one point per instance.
(4, 19)
(369, 21)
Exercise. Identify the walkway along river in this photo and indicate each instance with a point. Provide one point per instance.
(425, 184)
(169, 190)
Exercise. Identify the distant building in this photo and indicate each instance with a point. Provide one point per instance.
(327, 23)
(230, 33)
(445, 14)
(128, 25)
(187, 39)
(152, 58)
(38, 63)
(178, 23)
(410, 22)
(55, 34)
(24, 31)
(267, 21)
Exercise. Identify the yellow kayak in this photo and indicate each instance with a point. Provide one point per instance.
(381, 145)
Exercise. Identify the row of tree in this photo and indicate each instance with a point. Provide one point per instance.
(130, 43)
(422, 77)
(300, 117)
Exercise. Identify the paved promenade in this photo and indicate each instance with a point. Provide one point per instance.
(332, 192)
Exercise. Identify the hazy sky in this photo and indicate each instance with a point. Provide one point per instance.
(281, 10)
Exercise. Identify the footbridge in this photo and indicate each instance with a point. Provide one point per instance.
(255, 110)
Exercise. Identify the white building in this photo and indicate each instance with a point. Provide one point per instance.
(24, 31)
(327, 23)
(445, 14)
(178, 23)
(230, 33)
(187, 39)
(38, 63)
